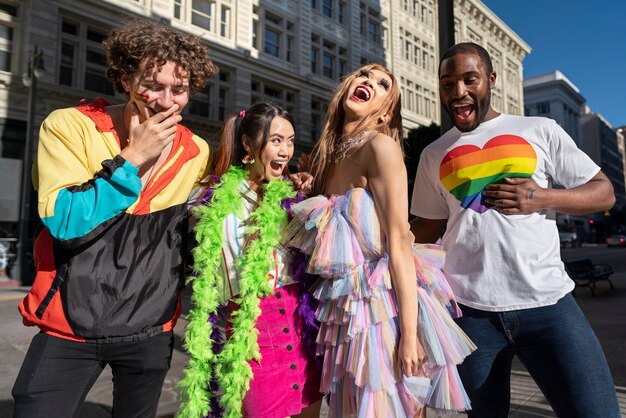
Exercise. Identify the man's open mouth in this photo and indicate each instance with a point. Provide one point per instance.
(463, 110)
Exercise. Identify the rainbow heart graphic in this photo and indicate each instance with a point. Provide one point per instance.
(466, 170)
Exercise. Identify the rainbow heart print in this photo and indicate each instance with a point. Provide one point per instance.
(466, 170)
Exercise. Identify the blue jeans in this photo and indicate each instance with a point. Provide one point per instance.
(558, 348)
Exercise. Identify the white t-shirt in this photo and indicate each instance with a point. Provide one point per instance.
(499, 262)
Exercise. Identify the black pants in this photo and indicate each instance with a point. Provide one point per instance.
(57, 374)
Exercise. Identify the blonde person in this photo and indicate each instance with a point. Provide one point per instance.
(390, 345)
(262, 367)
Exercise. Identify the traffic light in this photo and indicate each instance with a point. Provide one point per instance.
(591, 221)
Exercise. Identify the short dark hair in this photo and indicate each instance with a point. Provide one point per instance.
(469, 48)
(126, 48)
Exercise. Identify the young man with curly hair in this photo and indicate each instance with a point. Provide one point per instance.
(113, 184)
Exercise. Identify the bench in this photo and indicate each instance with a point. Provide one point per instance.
(586, 274)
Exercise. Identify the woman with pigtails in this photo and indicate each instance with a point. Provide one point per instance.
(261, 366)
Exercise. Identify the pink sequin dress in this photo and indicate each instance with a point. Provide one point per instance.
(359, 330)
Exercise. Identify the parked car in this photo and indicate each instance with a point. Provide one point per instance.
(568, 239)
(616, 241)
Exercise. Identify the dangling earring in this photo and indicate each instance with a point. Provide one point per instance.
(247, 159)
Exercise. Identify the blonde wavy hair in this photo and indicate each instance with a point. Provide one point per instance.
(332, 132)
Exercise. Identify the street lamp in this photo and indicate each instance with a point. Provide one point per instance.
(446, 41)
(34, 71)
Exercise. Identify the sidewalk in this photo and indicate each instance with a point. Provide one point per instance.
(605, 312)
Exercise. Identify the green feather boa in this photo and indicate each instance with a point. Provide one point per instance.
(231, 365)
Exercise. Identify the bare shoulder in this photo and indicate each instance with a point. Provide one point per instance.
(381, 140)
(382, 147)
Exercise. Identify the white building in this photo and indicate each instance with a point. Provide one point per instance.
(554, 96)
(412, 53)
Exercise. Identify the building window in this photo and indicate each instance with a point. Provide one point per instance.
(225, 23)
(213, 101)
(290, 43)
(178, 9)
(333, 57)
(264, 90)
(417, 99)
(416, 51)
(543, 108)
(328, 65)
(318, 112)
(272, 42)
(496, 99)
(255, 33)
(222, 103)
(409, 99)
(370, 23)
(202, 12)
(496, 59)
(211, 15)
(362, 18)
(474, 37)
(279, 39)
(316, 118)
(83, 62)
(6, 43)
(200, 102)
(314, 60)
(511, 72)
(343, 68)
(327, 8)
(332, 9)
(513, 106)
(373, 31)
(12, 134)
(428, 57)
(341, 12)
(9, 22)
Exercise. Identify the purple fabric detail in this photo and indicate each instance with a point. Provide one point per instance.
(307, 304)
(208, 193)
(288, 201)
(216, 318)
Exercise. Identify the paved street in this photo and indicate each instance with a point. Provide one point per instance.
(606, 312)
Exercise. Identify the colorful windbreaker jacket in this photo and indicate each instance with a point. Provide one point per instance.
(109, 255)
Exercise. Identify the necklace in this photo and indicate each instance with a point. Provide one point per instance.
(340, 151)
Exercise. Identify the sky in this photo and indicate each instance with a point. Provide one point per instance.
(584, 39)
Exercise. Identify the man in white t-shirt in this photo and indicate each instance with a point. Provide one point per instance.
(485, 189)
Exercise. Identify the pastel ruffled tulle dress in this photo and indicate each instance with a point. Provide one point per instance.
(358, 313)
